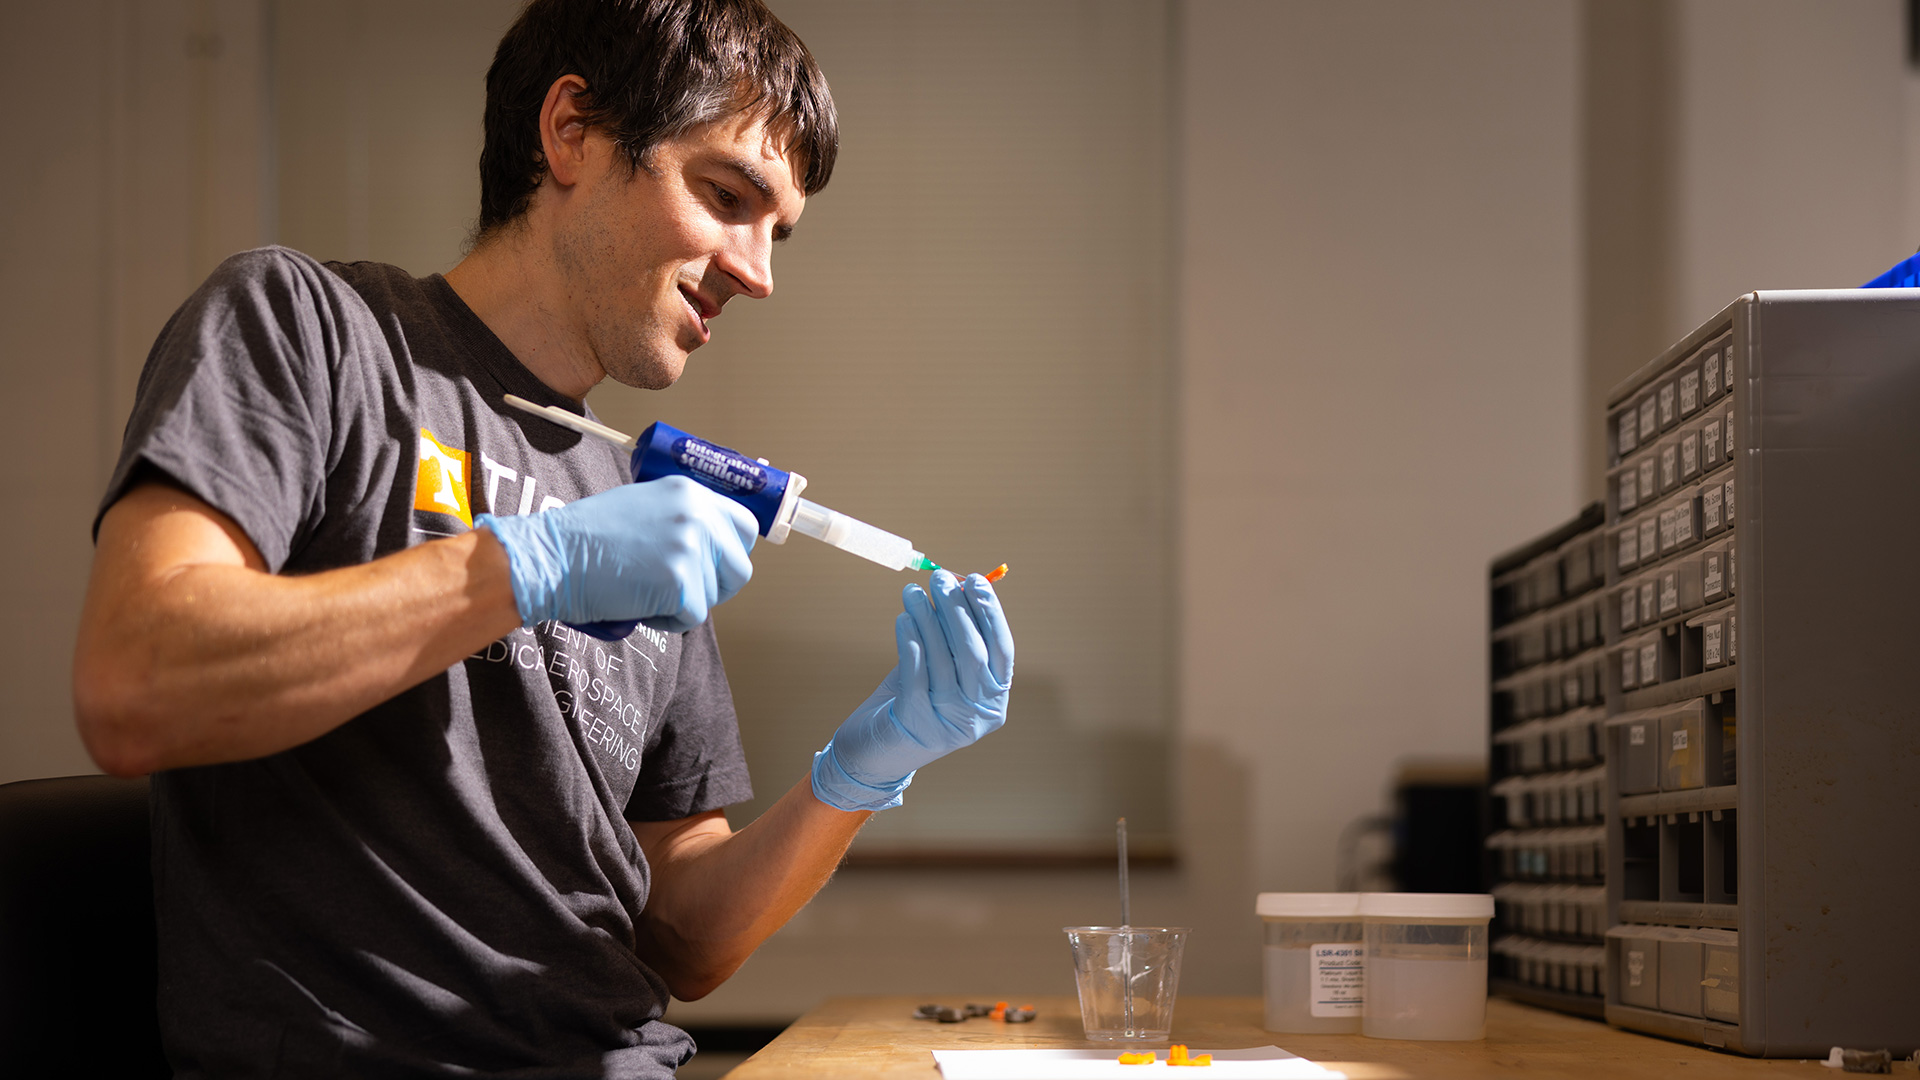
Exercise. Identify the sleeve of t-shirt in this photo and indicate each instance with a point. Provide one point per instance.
(697, 763)
(234, 404)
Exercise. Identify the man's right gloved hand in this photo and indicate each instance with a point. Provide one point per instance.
(663, 553)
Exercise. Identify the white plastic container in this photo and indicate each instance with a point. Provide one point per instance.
(1315, 981)
(1426, 965)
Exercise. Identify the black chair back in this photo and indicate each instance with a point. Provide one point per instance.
(77, 946)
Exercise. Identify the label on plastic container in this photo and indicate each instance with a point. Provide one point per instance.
(1710, 644)
(1649, 423)
(1649, 537)
(1667, 411)
(1338, 978)
(1710, 444)
(1629, 489)
(1680, 738)
(1711, 374)
(1629, 433)
(1729, 370)
(1689, 392)
(1710, 508)
(1669, 466)
(1650, 663)
(1727, 436)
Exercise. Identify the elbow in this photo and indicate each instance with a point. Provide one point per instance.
(108, 711)
(694, 986)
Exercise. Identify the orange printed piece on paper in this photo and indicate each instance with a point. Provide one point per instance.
(1178, 1056)
(1147, 1058)
(442, 481)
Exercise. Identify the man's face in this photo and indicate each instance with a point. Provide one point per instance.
(650, 260)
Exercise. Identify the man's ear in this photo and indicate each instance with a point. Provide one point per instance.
(563, 129)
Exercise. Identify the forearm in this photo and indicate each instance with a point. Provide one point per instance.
(717, 897)
(211, 662)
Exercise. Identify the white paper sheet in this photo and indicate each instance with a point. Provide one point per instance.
(1253, 1063)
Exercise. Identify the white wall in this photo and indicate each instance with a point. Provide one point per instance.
(1380, 382)
(1791, 169)
(138, 135)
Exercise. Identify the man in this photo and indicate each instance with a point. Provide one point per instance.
(426, 800)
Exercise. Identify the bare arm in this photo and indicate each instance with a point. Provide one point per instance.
(717, 894)
(191, 653)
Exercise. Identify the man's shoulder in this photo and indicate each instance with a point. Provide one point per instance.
(276, 270)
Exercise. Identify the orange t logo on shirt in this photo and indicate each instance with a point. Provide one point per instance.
(445, 473)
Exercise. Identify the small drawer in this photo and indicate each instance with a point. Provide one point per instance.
(1688, 385)
(1683, 748)
(1680, 967)
(1635, 747)
(1713, 516)
(1667, 394)
(1713, 575)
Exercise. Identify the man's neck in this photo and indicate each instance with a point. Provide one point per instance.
(514, 288)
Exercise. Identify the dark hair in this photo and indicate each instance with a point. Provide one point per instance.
(655, 70)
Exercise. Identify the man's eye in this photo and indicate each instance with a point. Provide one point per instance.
(724, 197)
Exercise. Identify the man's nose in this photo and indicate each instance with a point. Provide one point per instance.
(748, 260)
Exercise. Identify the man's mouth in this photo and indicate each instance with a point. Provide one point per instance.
(700, 310)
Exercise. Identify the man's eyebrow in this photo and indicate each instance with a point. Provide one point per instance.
(758, 180)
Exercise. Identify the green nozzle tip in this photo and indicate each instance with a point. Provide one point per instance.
(924, 563)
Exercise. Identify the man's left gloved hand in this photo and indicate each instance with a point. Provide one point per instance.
(949, 689)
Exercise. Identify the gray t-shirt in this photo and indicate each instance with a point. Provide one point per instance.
(446, 884)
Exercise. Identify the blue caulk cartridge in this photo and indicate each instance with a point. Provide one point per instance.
(771, 495)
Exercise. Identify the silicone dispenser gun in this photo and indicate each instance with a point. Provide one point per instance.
(771, 495)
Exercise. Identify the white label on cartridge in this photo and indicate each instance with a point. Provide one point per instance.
(1669, 467)
(1629, 490)
(1690, 455)
(1689, 391)
(1629, 545)
(1629, 433)
(1637, 735)
(1649, 424)
(1710, 508)
(1669, 593)
(1710, 644)
(1339, 978)
(1667, 413)
(1680, 738)
(1648, 538)
(1650, 663)
(1710, 442)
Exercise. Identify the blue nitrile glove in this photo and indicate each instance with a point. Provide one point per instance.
(950, 688)
(662, 553)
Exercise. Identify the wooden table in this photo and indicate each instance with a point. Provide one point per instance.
(877, 1037)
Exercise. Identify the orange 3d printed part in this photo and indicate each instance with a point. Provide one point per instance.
(1146, 1058)
(1177, 1055)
